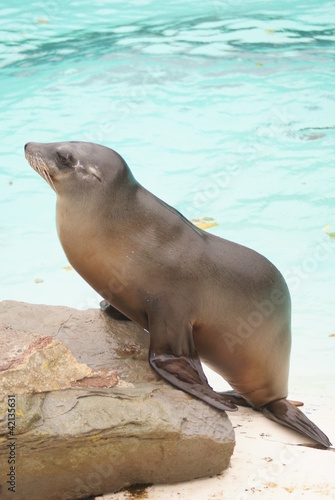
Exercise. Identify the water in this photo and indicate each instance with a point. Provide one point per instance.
(223, 109)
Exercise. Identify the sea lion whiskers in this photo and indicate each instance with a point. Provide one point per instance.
(49, 180)
(38, 165)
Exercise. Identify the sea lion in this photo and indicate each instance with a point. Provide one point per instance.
(199, 296)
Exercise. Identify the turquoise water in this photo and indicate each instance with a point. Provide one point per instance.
(223, 109)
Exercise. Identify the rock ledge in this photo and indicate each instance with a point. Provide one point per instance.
(90, 415)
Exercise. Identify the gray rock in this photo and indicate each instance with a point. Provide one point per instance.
(110, 422)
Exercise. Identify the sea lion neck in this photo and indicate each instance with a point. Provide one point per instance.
(105, 210)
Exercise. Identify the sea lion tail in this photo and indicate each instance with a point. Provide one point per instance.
(285, 413)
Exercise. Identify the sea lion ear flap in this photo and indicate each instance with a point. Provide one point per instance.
(95, 172)
(183, 371)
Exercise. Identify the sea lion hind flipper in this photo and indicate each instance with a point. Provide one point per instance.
(112, 312)
(236, 398)
(285, 413)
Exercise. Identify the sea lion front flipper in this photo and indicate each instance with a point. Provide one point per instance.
(112, 312)
(174, 357)
(283, 412)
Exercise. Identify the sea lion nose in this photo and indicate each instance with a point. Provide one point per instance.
(29, 146)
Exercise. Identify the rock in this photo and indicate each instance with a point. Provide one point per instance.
(91, 417)
(48, 365)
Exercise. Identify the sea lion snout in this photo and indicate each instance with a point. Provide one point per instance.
(34, 151)
(29, 148)
(33, 146)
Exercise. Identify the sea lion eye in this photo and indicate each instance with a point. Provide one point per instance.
(65, 158)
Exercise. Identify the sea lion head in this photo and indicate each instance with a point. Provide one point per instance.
(77, 167)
